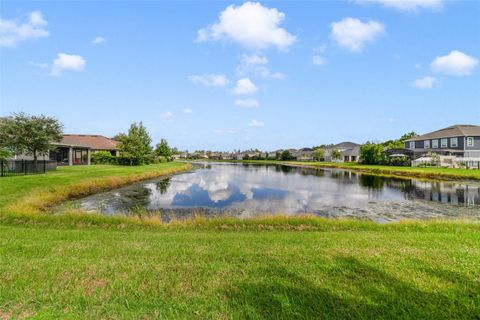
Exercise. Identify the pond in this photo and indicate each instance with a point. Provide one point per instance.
(248, 190)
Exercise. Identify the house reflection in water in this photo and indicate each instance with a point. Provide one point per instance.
(446, 192)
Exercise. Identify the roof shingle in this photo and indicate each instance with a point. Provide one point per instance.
(459, 130)
(96, 142)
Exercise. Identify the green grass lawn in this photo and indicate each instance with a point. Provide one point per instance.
(391, 273)
(430, 172)
(77, 179)
(81, 266)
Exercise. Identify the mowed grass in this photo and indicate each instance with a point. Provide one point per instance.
(413, 172)
(385, 273)
(86, 266)
(34, 192)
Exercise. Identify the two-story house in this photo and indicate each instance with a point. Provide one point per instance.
(457, 140)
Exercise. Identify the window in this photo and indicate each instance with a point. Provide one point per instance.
(412, 144)
(435, 144)
(426, 144)
(444, 143)
(453, 142)
(470, 142)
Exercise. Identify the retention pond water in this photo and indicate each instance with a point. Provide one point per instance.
(247, 190)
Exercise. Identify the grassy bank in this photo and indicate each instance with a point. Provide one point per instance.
(187, 273)
(35, 193)
(411, 172)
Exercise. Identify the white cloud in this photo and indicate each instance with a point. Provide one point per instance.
(246, 103)
(353, 34)
(229, 131)
(251, 25)
(256, 124)
(456, 63)
(318, 60)
(12, 32)
(255, 65)
(425, 82)
(67, 62)
(98, 40)
(187, 110)
(254, 59)
(408, 5)
(39, 65)
(245, 86)
(167, 116)
(210, 80)
(418, 66)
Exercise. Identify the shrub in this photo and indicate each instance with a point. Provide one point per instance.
(372, 153)
(162, 159)
(399, 161)
(103, 157)
(129, 161)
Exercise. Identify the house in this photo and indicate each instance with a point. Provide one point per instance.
(227, 156)
(304, 154)
(349, 152)
(458, 140)
(77, 149)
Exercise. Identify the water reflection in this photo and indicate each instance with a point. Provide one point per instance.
(253, 189)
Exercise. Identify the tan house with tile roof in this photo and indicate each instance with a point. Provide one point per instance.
(76, 149)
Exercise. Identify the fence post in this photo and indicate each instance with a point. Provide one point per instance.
(1, 163)
(44, 166)
(24, 164)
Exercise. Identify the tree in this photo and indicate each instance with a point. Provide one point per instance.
(336, 155)
(286, 156)
(372, 153)
(163, 150)
(136, 144)
(119, 136)
(407, 136)
(5, 153)
(318, 154)
(399, 143)
(30, 134)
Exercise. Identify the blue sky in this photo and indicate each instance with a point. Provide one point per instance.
(235, 75)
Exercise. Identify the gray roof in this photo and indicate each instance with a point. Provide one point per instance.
(459, 130)
(352, 151)
(345, 145)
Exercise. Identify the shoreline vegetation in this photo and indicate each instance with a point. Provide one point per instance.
(29, 199)
(430, 173)
(36, 194)
(78, 265)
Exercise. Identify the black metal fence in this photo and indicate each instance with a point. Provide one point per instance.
(10, 168)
